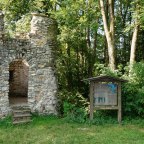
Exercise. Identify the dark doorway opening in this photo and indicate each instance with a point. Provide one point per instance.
(18, 81)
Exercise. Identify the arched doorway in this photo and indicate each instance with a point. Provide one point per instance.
(18, 81)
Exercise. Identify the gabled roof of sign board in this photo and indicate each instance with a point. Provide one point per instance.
(105, 78)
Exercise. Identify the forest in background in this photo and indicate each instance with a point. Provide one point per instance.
(94, 37)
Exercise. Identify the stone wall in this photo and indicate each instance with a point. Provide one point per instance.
(38, 52)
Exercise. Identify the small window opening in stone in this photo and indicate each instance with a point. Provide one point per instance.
(18, 81)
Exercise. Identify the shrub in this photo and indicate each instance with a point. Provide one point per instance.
(133, 92)
(74, 106)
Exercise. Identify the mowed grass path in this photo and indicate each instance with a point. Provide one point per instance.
(45, 130)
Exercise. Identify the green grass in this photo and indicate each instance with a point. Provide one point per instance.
(50, 130)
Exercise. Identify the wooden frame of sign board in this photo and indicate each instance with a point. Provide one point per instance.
(105, 94)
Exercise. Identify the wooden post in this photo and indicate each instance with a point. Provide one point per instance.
(119, 103)
(91, 101)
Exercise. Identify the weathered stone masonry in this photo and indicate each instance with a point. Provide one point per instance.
(37, 52)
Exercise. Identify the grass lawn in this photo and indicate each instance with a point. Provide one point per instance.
(44, 130)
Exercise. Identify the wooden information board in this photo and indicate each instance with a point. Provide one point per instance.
(105, 94)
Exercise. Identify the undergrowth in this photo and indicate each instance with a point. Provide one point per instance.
(98, 120)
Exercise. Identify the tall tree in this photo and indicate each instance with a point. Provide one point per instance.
(133, 46)
(109, 31)
(135, 32)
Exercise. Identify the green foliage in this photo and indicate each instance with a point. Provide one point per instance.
(74, 98)
(42, 6)
(102, 120)
(3, 4)
(16, 14)
(23, 24)
(15, 9)
(74, 106)
(73, 113)
(133, 92)
(6, 122)
(101, 69)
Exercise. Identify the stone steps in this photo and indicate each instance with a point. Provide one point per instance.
(17, 112)
(22, 121)
(21, 114)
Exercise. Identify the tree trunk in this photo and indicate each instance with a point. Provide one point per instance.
(133, 47)
(109, 33)
(106, 57)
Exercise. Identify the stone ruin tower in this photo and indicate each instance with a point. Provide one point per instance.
(27, 72)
